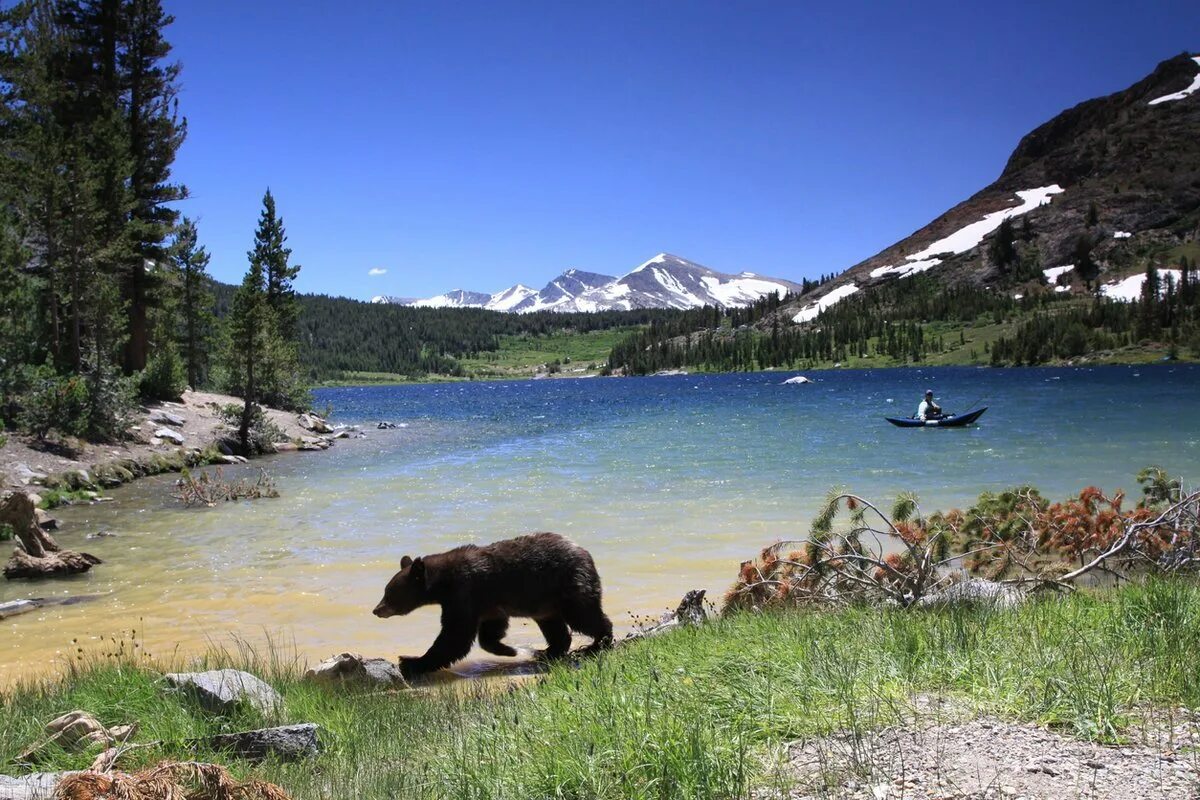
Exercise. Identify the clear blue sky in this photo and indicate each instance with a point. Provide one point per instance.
(477, 145)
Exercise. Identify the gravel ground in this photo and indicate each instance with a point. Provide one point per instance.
(991, 758)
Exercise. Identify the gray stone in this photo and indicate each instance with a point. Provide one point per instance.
(287, 742)
(12, 608)
(166, 418)
(38, 786)
(26, 476)
(353, 667)
(311, 422)
(220, 690)
(169, 435)
(978, 591)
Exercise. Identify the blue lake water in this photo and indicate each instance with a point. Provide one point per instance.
(669, 481)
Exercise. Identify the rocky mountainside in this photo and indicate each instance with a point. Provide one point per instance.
(665, 281)
(1091, 197)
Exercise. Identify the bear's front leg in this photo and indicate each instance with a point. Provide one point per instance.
(452, 644)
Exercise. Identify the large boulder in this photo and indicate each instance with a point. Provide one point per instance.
(287, 742)
(169, 435)
(354, 668)
(221, 690)
(311, 422)
(166, 418)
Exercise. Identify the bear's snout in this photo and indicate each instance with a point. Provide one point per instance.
(383, 611)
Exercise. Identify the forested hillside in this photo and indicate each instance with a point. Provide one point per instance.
(339, 336)
(920, 320)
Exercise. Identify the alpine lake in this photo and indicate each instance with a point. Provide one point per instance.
(669, 481)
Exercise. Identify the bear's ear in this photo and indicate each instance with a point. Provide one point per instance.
(405, 562)
(418, 568)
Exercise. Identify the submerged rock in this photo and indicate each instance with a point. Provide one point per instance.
(12, 608)
(221, 690)
(287, 742)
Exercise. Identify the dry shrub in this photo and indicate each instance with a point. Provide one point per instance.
(170, 780)
(1013, 537)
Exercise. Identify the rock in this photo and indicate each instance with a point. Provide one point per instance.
(311, 422)
(383, 426)
(101, 535)
(977, 590)
(25, 475)
(797, 379)
(166, 418)
(286, 447)
(234, 459)
(169, 435)
(38, 786)
(43, 517)
(220, 690)
(287, 742)
(353, 667)
(225, 446)
(12, 608)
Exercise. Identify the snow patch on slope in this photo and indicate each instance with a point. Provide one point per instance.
(968, 236)
(1130, 288)
(1053, 272)
(810, 312)
(1195, 87)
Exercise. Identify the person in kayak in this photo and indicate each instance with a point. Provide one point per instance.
(929, 409)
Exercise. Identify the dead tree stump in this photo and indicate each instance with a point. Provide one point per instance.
(37, 555)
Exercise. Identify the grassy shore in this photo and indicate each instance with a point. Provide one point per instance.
(699, 713)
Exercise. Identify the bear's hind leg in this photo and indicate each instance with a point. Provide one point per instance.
(590, 620)
(558, 637)
(491, 632)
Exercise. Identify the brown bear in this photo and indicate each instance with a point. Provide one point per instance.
(543, 576)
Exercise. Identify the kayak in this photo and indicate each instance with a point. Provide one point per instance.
(948, 421)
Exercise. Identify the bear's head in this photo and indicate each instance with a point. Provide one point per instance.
(405, 591)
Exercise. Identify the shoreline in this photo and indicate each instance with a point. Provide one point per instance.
(1150, 360)
(163, 437)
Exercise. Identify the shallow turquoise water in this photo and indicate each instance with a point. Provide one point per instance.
(669, 481)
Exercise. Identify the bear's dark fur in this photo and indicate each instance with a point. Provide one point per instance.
(542, 576)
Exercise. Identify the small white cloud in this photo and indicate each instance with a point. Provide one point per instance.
(376, 271)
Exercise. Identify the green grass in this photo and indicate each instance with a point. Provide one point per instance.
(524, 356)
(693, 714)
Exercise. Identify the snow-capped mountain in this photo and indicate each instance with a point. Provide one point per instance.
(665, 281)
(563, 290)
(668, 281)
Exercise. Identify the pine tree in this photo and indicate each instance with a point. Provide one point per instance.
(1002, 250)
(196, 301)
(271, 251)
(249, 348)
(155, 132)
(281, 380)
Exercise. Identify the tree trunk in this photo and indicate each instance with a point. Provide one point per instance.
(37, 554)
